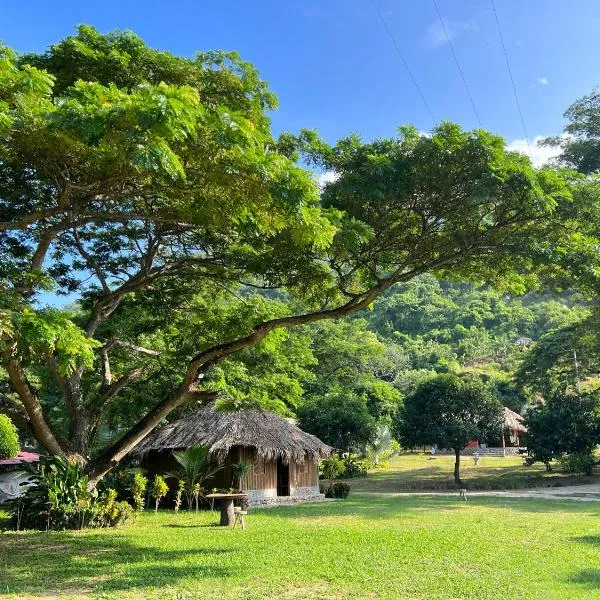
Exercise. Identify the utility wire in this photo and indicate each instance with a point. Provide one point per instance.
(512, 80)
(401, 55)
(462, 76)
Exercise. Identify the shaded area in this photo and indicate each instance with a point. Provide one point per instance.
(92, 561)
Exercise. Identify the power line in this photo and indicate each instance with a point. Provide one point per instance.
(401, 55)
(462, 76)
(512, 80)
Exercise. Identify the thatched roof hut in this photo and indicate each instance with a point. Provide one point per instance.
(513, 421)
(284, 458)
(272, 436)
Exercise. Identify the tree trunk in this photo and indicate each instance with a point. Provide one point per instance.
(457, 466)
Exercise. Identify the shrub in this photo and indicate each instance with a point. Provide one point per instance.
(338, 489)
(58, 497)
(9, 438)
(138, 487)
(108, 512)
(354, 466)
(159, 490)
(331, 467)
(180, 488)
(578, 462)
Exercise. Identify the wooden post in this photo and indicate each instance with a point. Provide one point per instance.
(503, 444)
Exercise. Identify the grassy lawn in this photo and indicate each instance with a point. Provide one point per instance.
(419, 472)
(374, 546)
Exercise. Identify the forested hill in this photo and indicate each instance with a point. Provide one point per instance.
(441, 325)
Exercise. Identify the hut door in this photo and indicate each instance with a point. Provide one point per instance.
(283, 478)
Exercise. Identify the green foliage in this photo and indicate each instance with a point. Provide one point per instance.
(138, 489)
(159, 490)
(340, 419)
(578, 462)
(336, 489)
(9, 438)
(450, 412)
(178, 494)
(57, 498)
(564, 424)
(354, 466)
(239, 471)
(150, 188)
(581, 144)
(331, 467)
(195, 469)
(551, 366)
(107, 512)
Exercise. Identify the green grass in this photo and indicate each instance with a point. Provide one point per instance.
(364, 547)
(419, 472)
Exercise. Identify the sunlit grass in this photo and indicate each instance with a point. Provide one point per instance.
(364, 547)
(420, 472)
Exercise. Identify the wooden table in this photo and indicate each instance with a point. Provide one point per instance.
(227, 514)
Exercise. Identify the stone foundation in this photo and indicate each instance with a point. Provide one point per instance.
(268, 497)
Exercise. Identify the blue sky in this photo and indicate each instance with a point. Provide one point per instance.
(334, 68)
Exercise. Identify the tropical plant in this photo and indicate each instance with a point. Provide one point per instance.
(381, 445)
(108, 512)
(138, 488)
(9, 438)
(194, 468)
(56, 496)
(331, 467)
(179, 494)
(159, 490)
(240, 470)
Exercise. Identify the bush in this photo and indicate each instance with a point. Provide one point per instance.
(331, 467)
(578, 462)
(108, 512)
(138, 487)
(9, 438)
(354, 466)
(338, 489)
(59, 499)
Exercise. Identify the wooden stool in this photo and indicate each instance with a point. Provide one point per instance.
(239, 516)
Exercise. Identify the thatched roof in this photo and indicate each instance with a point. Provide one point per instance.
(272, 436)
(513, 421)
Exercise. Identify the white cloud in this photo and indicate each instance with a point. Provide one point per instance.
(435, 36)
(542, 81)
(539, 155)
(326, 177)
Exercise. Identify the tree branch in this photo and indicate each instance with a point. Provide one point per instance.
(16, 413)
(114, 388)
(39, 425)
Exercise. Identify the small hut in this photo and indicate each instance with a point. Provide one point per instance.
(513, 427)
(284, 458)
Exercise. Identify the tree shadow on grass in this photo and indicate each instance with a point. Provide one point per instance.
(379, 507)
(589, 578)
(79, 563)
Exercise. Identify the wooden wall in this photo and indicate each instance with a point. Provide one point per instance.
(304, 474)
(262, 474)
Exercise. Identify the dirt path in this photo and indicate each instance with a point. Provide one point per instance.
(581, 493)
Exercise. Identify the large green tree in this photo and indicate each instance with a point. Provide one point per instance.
(564, 424)
(148, 186)
(451, 412)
